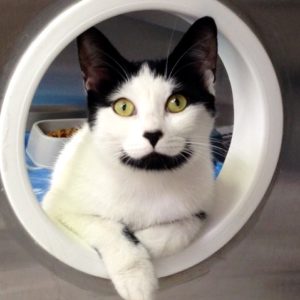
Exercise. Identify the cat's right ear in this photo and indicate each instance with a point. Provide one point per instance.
(99, 60)
(197, 50)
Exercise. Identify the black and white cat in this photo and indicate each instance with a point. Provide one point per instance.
(136, 181)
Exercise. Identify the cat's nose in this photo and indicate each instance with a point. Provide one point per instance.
(153, 137)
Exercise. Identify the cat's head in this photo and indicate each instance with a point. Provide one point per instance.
(151, 115)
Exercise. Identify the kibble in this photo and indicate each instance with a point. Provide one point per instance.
(62, 133)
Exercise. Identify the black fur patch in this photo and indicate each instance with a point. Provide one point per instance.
(97, 99)
(191, 83)
(130, 236)
(158, 162)
(201, 215)
(97, 251)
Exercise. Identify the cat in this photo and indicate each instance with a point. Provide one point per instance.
(136, 181)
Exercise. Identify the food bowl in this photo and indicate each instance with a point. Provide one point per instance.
(43, 149)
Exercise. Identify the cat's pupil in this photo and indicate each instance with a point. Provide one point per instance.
(177, 102)
(124, 106)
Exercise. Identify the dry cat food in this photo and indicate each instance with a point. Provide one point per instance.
(62, 133)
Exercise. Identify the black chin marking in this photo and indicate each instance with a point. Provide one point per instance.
(158, 162)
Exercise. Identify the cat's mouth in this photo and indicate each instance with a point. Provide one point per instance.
(155, 161)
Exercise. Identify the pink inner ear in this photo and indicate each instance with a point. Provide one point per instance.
(89, 84)
(209, 80)
(95, 77)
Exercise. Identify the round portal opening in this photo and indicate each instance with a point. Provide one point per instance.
(250, 162)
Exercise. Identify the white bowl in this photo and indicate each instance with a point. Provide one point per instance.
(42, 149)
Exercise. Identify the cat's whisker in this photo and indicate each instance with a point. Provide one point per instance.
(205, 138)
(201, 156)
(118, 64)
(181, 57)
(169, 48)
(183, 67)
(215, 144)
(196, 54)
(214, 151)
(220, 156)
(220, 152)
(120, 73)
(208, 146)
(172, 145)
(185, 155)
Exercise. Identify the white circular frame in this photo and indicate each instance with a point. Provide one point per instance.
(251, 160)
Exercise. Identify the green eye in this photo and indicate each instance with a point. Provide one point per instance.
(176, 103)
(123, 107)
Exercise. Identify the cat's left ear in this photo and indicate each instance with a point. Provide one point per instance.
(197, 50)
(99, 60)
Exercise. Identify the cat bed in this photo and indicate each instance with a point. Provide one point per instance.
(40, 176)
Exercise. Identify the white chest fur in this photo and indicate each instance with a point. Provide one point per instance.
(85, 183)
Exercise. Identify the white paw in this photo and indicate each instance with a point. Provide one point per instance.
(138, 282)
(155, 243)
(168, 239)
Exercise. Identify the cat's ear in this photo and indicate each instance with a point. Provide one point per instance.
(99, 60)
(197, 50)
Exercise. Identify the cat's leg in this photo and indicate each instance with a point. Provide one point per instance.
(167, 239)
(127, 261)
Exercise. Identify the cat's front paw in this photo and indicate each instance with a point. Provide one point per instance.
(168, 239)
(138, 282)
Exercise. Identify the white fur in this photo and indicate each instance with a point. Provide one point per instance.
(209, 79)
(94, 195)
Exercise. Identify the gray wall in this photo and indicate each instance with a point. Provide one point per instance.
(261, 263)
